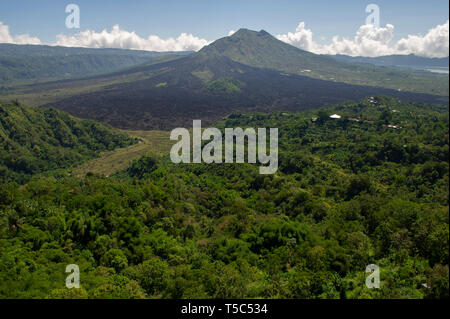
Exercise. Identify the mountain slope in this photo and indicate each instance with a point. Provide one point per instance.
(25, 63)
(207, 87)
(262, 50)
(410, 61)
(211, 84)
(35, 140)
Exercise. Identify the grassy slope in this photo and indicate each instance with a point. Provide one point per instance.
(150, 143)
(34, 141)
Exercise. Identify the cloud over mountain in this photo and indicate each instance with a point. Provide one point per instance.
(372, 41)
(368, 41)
(6, 37)
(118, 38)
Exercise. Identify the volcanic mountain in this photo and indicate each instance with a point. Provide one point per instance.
(249, 71)
(262, 50)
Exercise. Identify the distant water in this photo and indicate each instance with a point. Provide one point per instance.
(441, 70)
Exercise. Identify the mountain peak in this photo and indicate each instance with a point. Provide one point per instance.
(258, 49)
(244, 40)
(264, 32)
(243, 32)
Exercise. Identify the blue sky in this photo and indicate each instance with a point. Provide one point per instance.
(212, 19)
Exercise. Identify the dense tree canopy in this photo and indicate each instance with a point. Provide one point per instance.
(35, 140)
(349, 192)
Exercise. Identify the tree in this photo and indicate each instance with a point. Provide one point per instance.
(323, 116)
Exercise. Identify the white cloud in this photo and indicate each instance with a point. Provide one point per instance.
(118, 38)
(372, 41)
(368, 41)
(433, 44)
(231, 32)
(6, 37)
(301, 38)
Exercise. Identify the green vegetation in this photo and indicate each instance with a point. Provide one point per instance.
(225, 85)
(249, 71)
(29, 63)
(262, 50)
(205, 75)
(153, 143)
(34, 141)
(349, 192)
(405, 61)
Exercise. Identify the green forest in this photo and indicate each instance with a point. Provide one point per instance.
(23, 64)
(369, 188)
(34, 141)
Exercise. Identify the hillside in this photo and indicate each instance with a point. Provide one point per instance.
(28, 63)
(150, 143)
(262, 50)
(407, 61)
(249, 71)
(349, 192)
(34, 141)
(206, 86)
